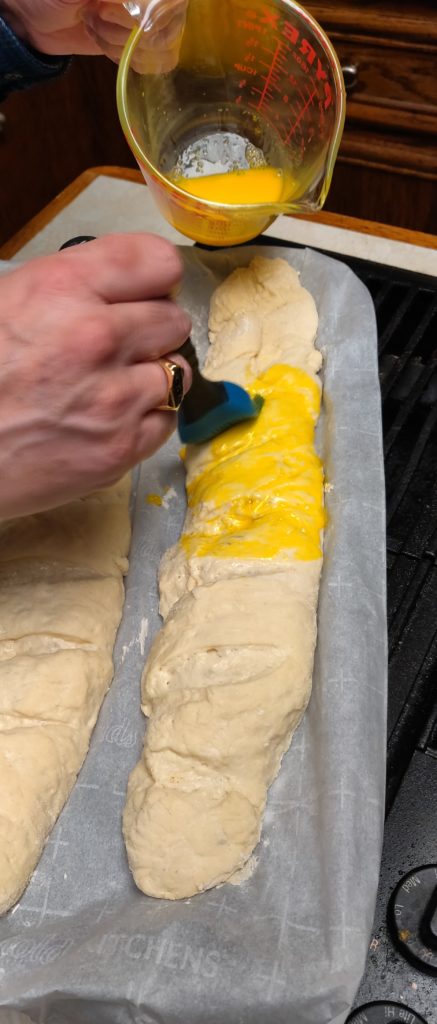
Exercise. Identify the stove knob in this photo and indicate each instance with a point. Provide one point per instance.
(385, 1013)
(412, 918)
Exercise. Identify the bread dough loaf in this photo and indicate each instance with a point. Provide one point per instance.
(229, 675)
(61, 597)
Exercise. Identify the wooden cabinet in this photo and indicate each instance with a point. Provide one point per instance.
(387, 164)
(53, 132)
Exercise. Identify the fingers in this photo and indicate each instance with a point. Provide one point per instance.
(146, 60)
(155, 429)
(146, 331)
(126, 267)
(139, 433)
(164, 22)
(125, 334)
(107, 34)
(157, 48)
(115, 13)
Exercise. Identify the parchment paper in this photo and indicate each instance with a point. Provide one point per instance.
(289, 945)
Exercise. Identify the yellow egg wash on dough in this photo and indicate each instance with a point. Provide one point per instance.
(261, 491)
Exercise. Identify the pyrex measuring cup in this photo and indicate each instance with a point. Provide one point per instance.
(234, 116)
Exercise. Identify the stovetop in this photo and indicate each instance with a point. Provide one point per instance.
(400, 981)
(402, 962)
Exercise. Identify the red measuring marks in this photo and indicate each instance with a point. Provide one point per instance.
(262, 25)
(303, 111)
(273, 76)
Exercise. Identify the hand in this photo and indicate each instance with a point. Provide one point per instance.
(80, 333)
(88, 26)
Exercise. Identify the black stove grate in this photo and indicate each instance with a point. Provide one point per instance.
(406, 313)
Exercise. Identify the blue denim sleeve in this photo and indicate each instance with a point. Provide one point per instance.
(20, 66)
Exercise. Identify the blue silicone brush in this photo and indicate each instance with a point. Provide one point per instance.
(212, 406)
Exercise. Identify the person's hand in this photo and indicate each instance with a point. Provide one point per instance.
(57, 27)
(80, 333)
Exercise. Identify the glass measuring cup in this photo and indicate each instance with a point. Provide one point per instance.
(241, 102)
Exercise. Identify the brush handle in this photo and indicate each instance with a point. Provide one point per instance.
(79, 240)
(204, 394)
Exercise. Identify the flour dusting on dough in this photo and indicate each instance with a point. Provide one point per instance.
(144, 632)
(244, 873)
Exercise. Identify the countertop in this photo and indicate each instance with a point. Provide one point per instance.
(115, 199)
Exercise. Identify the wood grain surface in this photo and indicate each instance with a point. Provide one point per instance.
(387, 162)
(412, 22)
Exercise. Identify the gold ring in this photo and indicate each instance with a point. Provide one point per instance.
(175, 381)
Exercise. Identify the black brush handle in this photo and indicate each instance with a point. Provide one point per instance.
(204, 394)
(79, 240)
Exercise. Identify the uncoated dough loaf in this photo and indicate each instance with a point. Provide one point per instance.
(61, 598)
(229, 675)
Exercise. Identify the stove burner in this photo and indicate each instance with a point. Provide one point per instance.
(412, 918)
(385, 1013)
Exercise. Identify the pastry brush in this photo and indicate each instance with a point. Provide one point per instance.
(210, 406)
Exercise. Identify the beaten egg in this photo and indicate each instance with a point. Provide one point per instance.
(260, 491)
(254, 185)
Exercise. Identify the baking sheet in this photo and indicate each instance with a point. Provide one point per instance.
(289, 945)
